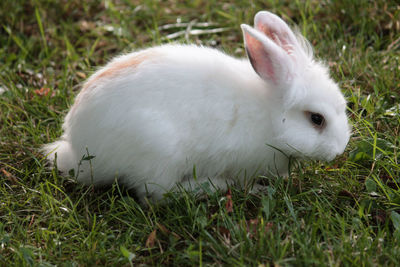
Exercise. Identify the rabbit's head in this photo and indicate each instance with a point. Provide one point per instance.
(308, 111)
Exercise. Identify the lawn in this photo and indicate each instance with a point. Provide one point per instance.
(345, 212)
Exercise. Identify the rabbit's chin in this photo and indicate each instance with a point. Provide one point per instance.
(326, 157)
(315, 154)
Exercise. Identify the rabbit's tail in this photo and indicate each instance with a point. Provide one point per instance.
(61, 153)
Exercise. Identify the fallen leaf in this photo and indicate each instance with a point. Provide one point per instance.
(32, 220)
(44, 91)
(151, 239)
(332, 168)
(9, 176)
(229, 202)
(81, 74)
(86, 25)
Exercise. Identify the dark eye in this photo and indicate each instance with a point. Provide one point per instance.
(317, 119)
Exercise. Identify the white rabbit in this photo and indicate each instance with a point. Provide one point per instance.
(151, 117)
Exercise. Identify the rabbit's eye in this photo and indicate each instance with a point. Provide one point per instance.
(317, 119)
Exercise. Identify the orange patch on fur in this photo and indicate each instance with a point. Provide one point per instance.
(112, 68)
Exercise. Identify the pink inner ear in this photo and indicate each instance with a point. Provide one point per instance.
(260, 59)
(280, 37)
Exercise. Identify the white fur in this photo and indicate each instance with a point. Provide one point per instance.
(185, 107)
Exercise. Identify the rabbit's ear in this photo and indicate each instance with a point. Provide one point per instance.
(277, 30)
(269, 60)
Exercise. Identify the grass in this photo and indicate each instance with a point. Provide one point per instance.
(346, 212)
